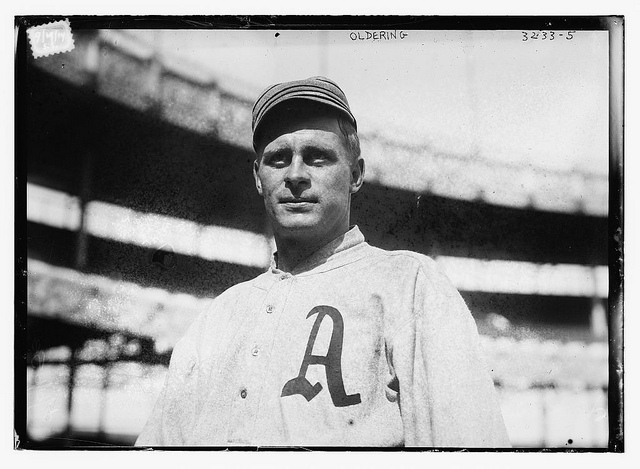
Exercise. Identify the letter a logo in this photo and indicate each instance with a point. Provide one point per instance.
(332, 363)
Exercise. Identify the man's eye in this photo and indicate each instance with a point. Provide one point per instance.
(318, 158)
(276, 160)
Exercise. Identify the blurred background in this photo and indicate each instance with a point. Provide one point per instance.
(485, 151)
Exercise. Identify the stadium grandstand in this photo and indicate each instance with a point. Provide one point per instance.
(141, 209)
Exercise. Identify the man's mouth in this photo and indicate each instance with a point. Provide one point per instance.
(298, 200)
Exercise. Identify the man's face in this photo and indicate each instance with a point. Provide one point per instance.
(306, 177)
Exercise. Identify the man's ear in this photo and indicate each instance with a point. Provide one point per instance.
(256, 166)
(357, 175)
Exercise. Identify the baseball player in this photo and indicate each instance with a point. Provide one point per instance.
(339, 343)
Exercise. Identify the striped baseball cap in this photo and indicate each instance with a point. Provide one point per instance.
(318, 89)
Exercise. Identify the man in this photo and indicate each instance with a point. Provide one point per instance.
(338, 343)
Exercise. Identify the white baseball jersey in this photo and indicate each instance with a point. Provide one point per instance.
(356, 346)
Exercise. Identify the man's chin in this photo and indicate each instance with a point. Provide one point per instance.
(298, 226)
(291, 219)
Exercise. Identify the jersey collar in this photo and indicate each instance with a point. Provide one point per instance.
(341, 250)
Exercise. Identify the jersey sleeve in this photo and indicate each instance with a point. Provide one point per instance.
(447, 397)
(174, 412)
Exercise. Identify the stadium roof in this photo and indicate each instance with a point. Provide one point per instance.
(131, 72)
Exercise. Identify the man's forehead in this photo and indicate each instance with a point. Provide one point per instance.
(304, 140)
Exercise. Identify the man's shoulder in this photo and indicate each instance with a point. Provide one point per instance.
(405, 265)
(224, 305)
(401, 258)
(240, 289)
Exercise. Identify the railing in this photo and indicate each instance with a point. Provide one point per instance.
(104, 392)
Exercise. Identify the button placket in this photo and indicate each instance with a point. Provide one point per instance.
(258, 352)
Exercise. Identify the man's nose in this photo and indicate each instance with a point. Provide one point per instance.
(297, 172)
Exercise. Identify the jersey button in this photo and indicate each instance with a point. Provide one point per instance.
(270, 309)
(283, 277)
(255, 351)
(243, 393)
